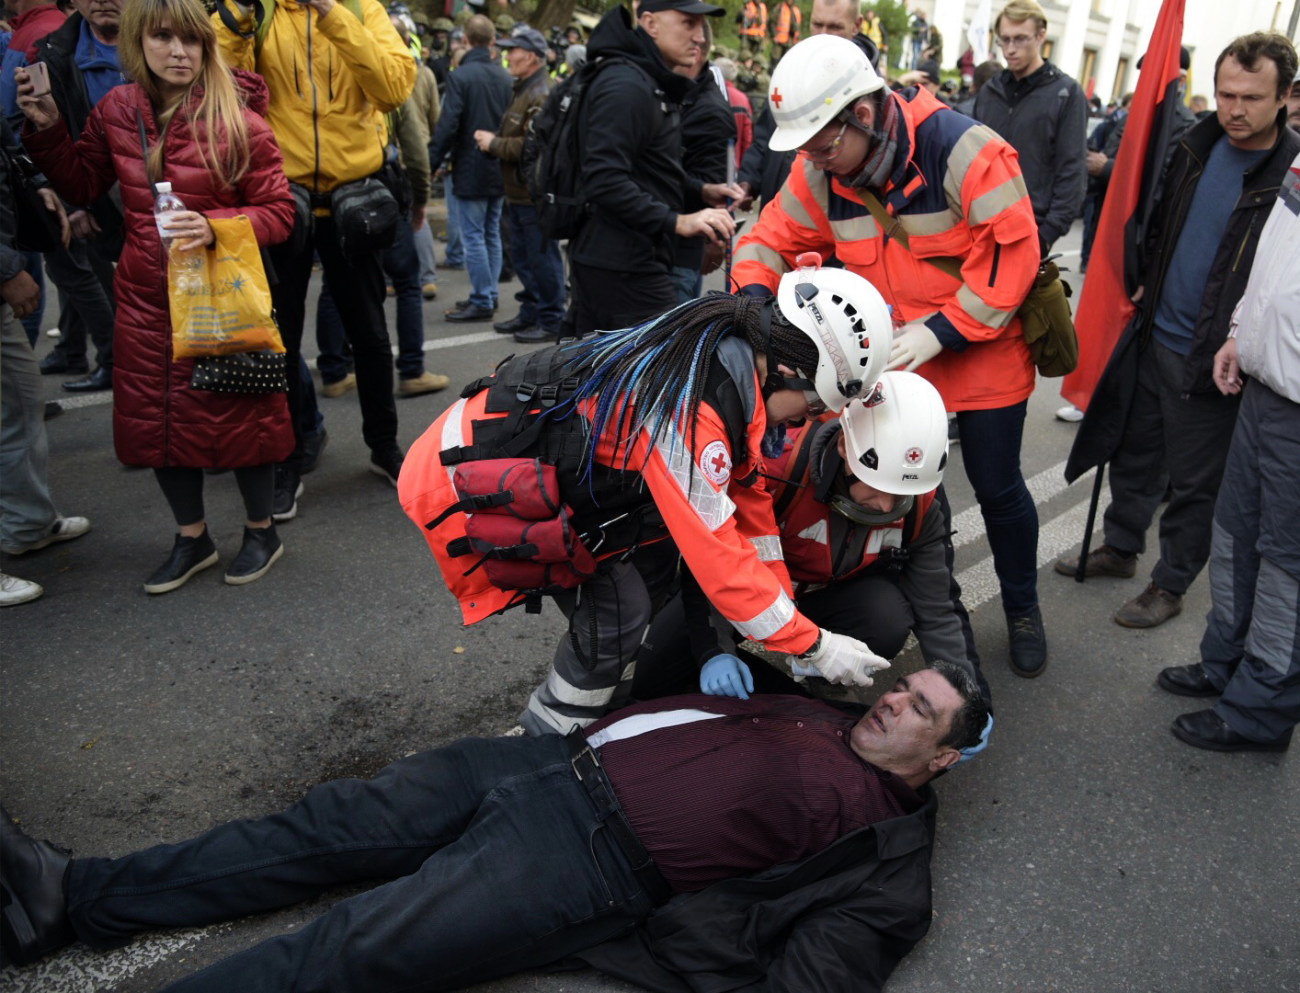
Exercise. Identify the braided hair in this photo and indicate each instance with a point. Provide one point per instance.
(652, 376)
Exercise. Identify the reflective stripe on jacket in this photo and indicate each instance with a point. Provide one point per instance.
(957, 194)
(332, 80)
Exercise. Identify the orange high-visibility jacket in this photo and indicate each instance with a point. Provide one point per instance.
(958, 194)
(724, 530)
(754, 19)
(789, 20)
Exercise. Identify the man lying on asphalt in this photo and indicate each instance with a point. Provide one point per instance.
(770, 840)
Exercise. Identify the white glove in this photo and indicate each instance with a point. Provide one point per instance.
(914, 346)
(839, 659)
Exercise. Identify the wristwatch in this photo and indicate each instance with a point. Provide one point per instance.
(813, 649)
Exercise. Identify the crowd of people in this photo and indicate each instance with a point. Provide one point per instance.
(734, 498)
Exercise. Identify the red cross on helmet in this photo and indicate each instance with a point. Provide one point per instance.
(812, 83)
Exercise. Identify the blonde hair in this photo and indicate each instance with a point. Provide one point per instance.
(216, 118)
(1022, 10)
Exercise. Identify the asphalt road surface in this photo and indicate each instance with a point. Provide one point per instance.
(1087, 851)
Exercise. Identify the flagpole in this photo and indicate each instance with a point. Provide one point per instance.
(1081, 570)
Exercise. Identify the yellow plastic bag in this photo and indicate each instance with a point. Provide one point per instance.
(219, 298)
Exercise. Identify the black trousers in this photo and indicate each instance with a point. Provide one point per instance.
(357, 285)
(606, 300)
(183, 488)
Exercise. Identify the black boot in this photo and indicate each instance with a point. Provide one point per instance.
(189, 555)
(261, 548)
(34, 920)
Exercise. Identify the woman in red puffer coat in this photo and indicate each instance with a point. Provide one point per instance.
(222, 160)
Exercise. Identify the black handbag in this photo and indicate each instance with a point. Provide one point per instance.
(242, 372)
(365, 216)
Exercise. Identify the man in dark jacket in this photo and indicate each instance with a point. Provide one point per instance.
(1172, 429)
(536, 257)
(1043, 115)
(478, 93)
(631, 152)
(82, 60)
(503, 854)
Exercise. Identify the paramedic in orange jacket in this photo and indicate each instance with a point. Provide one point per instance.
(827, 338)
(952, 189)
(864, 533)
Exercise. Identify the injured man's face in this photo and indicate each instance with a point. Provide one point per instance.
(902, 732)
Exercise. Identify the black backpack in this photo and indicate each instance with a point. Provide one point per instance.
(551, 161)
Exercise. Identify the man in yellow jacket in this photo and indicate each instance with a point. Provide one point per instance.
(333, 70)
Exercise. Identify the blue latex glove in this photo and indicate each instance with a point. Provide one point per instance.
(969, 753)
(726, 675)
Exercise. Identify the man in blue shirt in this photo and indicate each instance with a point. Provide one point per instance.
(1218, 187)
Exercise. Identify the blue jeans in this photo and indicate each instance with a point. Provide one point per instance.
(480, 228)
(490, 857)
(539, 265)
(455, 244)
(990, 448)
(26, 511)
(424, 249)
(688, 282)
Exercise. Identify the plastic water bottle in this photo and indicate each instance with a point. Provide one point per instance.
(186, 264)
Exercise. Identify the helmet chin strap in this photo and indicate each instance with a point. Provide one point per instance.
(830, 480)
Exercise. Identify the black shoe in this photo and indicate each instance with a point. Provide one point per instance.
(1186, 680)
(513, 326)
(312, 446)
(465, 305)
(465, 315)
(1206, 729)
(189, 555)
(1028, 644)
(34, 920)
(536, 336)
(261, 547)
(387, 464)
(452, 266)
(52, 409)
(100, 379)
(56, 363)
(288, 488)
(506, 276)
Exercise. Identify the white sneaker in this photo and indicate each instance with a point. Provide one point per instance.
(1069, 413)
(14, 591)
(63, 529)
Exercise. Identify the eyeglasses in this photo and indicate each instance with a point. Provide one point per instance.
(827, 151)
(1018, 41)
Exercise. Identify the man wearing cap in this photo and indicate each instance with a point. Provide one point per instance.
(489, 856)
(638, 195)
(536, 257)
(478, 93)
(1043, 114)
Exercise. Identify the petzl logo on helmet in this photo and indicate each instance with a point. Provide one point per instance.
(831, 347)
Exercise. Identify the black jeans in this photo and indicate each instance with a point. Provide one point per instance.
(607, 300)
(490, 857)
(357, 284)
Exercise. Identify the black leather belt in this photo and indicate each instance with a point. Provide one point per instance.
(586, 766)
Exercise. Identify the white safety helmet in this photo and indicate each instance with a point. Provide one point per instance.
(848, 321)
(812, 83)
(896, 436)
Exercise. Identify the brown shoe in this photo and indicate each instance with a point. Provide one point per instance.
(1102, 561)
(426, 382)
(339, 386)
(1150, 608)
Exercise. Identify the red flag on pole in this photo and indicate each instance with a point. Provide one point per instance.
(1115, 266)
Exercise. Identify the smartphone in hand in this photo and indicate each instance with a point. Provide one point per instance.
(39, 73)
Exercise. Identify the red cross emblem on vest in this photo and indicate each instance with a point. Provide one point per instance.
(720, 463)
(776, 99)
